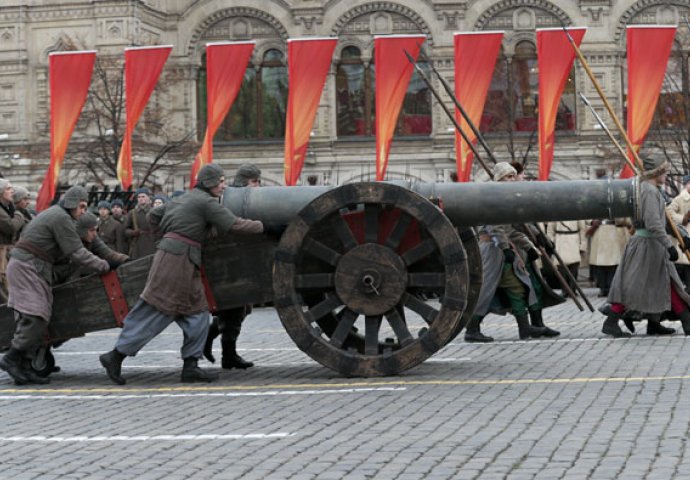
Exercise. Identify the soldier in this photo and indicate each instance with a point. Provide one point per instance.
(111, 231)
(228, 323)
(646, 280)
(11, 222)
(174, 291)
(141, 237)
(159, 200)
(21, 199)
(51, 235)
(570, 242)
(504, 272)
(117, 211)
(678, 210)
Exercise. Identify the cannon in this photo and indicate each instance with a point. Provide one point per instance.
(351, 265)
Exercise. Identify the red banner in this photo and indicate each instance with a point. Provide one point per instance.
(70, 77)
(475, 59)
(393, 74)
(143, 66)
(309, 60)
(226, 63)
(648, 50)
(555, 57)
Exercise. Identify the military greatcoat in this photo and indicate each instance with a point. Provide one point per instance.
(643, 279)
(142, 240)
(112, 232)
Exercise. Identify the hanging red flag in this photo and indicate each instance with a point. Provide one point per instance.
(309, 60)
(649, 47)
(70, 76)
(226, 63)
(393, 74)
(555, 57)
(475, 59)
(143, 66)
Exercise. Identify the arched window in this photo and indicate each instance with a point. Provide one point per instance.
(356, 99)
(513, 99)
(259, 109)
(671, 110)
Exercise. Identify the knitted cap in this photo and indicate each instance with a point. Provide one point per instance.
(117, 202)
(86, 222)
(502, 170)
(20, 193)
(104, 204)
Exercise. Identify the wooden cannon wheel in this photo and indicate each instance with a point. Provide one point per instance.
(332, 279)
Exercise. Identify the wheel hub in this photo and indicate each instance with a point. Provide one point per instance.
(370, 279)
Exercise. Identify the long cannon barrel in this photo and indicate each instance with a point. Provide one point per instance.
(466, 204)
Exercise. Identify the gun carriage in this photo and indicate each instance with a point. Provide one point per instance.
(353, 262)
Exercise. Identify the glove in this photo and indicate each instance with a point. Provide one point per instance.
(508, 255)
(672, 254)
(113, 263)
(532, 254)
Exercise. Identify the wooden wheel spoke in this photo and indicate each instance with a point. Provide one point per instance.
(371, 223)
(321, 251)
(427, 279)
(419, 252)
(342, 230)
(314, 280)
(346, 320)
(398, 232)
(427, 312)
(371, 334)
(399, 326)
(326, 306)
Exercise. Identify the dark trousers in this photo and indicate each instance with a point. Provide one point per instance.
(684, 274)
(603, 276)
(230, 322)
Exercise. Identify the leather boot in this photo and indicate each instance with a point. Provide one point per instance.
(112, 362)
(685, 321)
(610, 326)
(654, 326)
(13, 363)
(525, 330)
(32, 376)
(191, 372)
(231, 358)
(538, 321)
(213, 333)
(473, 333)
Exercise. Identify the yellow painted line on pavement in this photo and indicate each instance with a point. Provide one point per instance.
(387, 383)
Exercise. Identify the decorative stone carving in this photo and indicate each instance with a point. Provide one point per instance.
(8, 34)
(500, 15)
(381, 24)
(403, 20)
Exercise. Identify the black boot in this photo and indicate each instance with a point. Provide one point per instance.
(231, 358)
(610, 326)
(525, 330)
(654, 326)
(685, 321)
(192, 373)
(112, 362)
(213, 333)
(13, 363)
(32, 376)
(538, 321)
(473, 333)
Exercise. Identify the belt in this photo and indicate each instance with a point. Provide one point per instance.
(34, 250)
(643, 232)
(567, 233)
(183, 239)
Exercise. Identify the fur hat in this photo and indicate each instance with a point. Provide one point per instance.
(143, 190)
(73, 196)
(4, 183)
(87, 221)
(502, 170)
(117, 203)
(20, 193)
(209, 176)
(653, 167)
(104, 204)
(246, 172)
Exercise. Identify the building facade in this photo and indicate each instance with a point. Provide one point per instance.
(342, 147)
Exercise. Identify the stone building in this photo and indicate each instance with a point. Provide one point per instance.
(342, 147)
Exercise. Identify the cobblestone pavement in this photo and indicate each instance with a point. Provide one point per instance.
(578, 407)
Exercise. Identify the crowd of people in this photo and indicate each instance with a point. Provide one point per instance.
(66, 241)
(642, 271)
